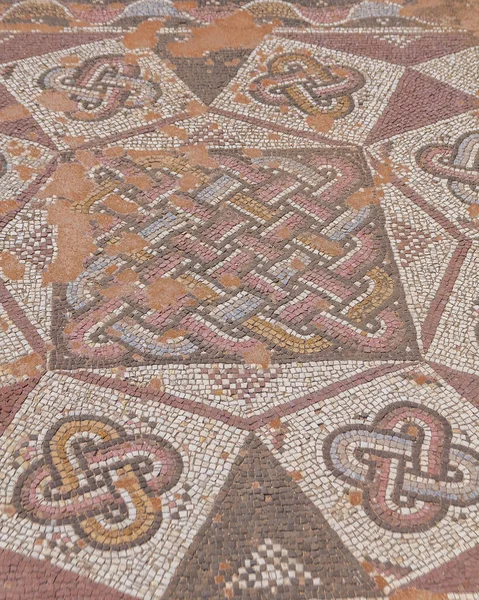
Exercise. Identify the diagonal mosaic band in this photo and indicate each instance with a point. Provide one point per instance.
(239, 323)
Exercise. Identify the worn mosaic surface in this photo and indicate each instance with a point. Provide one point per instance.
(239, 299)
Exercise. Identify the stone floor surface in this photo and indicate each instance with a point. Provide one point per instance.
(239, 299)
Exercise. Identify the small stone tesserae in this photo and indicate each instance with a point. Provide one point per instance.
(239, 299)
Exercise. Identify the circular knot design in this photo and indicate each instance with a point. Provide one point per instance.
(459, 164)
(303, 82)
(407, 467)
(103, 482)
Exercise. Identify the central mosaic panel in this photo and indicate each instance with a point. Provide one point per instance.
(237, 257)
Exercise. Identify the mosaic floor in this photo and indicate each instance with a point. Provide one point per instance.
(239, 299)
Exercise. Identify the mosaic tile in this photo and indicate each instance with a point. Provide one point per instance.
(28, 244)
(423, 251)
(22, 165)
(456, 340)
(94, 91)
(244, 395)
(280, 272)
(130, 483)
(455, 69)
(272, 553)
(19, 359)
(411, 46)
(239, 330)
(439, 185)
(312, 99)
(382, 462)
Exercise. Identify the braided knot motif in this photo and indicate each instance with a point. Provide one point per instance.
(101, 86)
(301, 81)
(263, 250)
(459, 164)
(103, 482)
(406, 465)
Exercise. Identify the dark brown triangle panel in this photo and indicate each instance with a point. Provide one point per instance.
(265, 539)
(11, 398)
(467, 384)
(217, 69)
(22, 577)
(24, 45)
(459, 576)
(410, 106)
(402, 49)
